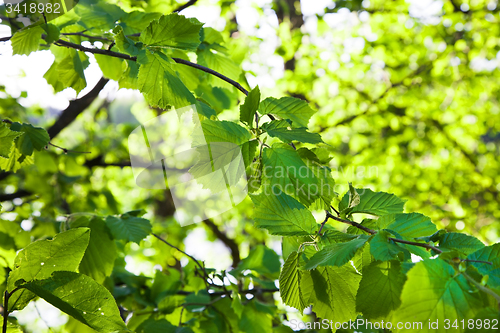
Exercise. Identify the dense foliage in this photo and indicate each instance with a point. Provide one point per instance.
(413, 101)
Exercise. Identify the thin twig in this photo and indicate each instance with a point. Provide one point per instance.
(65, 150)
(354, 224)
(6, 308)
(373, 232)
(86, 36)
(323, 224)
(482, 288)
(184, 6)
(186, 254)
(427, 246)
(79, 47)
(479, 261)
(211, 71)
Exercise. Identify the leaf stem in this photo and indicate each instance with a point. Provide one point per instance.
(482, 288)
(427, 246)
(6, 297)
(373, 232)
(186, 254)
(354, 224)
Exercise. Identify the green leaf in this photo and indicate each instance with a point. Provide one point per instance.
(284, 171)
(123, 43)
(173, 31)
(219, 166)
(7, 137)
(248, 150)
(128, 227)
(433, 291)
(325, 182)
(27, 40)
(380, 289)
(332, 292)
(67, 70)
(52, 33)
(297, 110)
(152, 325)
(137, 21)
(368, 223)
(463, 243)
(489, 254)
(262, 260)
(254, 321)
(384, 249)
(33, 138)
(111, 67)
(219, 63)
(283, 215)
(236, 303)
(129, 79)
(411, 225)
(159, 82)
(82, 298)
(248, 109)
(432, 238)
(99, 16)
(290, 286)
(376, 203)
(331, 236)
(199, 301)
(15, 161)
(282, 130)
(99, 258)
(40, 259)
(337, 254)
(220, 131)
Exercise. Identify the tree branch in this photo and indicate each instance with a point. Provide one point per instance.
(15, 195)
(482, 288)
(186, 254)
(373, 232)
(354, 224)
(230, 243)
(184, 6)
(79, 47)
(427, 246)
(74, 109)
(127, 57)
(86, 36)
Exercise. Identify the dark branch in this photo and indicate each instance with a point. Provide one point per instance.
(74, 109)
(354, 224)
(373, 232)
(127, 57)
(79, 47)
(427, 246)
(254, 291)
(184, 6)
(210, 71)
(86, 36)
(186, 254)
(15, 195)
(230, 243)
